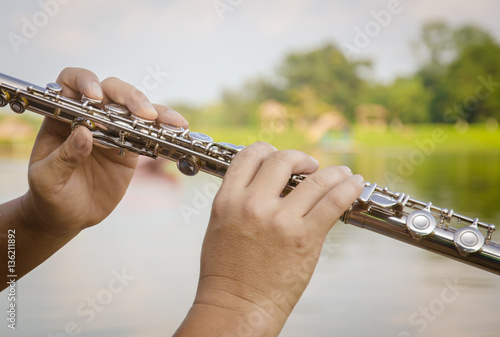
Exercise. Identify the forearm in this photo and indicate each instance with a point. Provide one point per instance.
(31, 247)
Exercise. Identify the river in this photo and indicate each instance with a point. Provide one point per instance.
(141, 263)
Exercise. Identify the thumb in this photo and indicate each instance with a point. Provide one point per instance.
(70, 155)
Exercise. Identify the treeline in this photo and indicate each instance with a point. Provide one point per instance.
(458, 79)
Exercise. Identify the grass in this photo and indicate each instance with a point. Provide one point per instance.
(447, 138)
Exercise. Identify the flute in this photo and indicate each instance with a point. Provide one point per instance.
(392, 214)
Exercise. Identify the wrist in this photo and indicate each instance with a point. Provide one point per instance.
(32, 223)
(32, 245)
(226, 306)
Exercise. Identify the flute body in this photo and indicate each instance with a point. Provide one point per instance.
(392, 214)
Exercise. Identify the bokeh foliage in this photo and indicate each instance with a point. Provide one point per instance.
(453, 62)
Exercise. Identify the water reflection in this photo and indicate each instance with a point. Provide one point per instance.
(365, 284)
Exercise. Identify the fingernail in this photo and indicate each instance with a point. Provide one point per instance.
(150, 108)
(78, 141)
(347, 169)
(359, 179)
(96, 90)
(172, 114)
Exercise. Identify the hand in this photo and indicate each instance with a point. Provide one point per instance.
(260, 250)
(74, 185)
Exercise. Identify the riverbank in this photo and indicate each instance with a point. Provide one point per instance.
(18, 134)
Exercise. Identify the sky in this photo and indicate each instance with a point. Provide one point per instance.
(190, 50)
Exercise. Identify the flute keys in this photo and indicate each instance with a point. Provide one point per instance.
(232, 146)
(469, 239)
(420, 224)
(117, 109)
(90, 101)
(19, 105)
(200, 137)
(168, 130)
(229, 146)
(54, 88)
(4, 98)
(147, 122)
(172, 128)
(189, 165)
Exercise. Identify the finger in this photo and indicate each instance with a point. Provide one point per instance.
(115, 90)
(276, 170)
(170, 116)
(245, 165)
(78, 81)
(51, 135)
(310, 191)
(327, 211)
(63, 161)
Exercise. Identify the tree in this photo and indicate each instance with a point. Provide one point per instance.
(327, 71)
(455, 60)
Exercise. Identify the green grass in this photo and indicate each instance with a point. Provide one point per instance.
(445, 137)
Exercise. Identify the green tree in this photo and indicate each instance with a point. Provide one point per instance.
(327, 71)
(455, 61)
(408, 100)
(476, 65)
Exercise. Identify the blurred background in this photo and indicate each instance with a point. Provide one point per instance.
(404, 92)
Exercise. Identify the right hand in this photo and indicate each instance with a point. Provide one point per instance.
(260, 250)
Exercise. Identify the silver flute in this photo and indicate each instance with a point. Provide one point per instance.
(392, 214)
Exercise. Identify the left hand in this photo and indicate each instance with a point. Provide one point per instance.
(72, 184)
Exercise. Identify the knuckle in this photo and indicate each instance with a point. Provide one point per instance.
(317, 182)
(65, 157)
(65, 70)
(339, 200)
(253, 208)
(340, 171)
(285, 156)
(220, 204)
(248, 153)
(34, 177)
(291, 156)
(111, 80)
(302, 240)
(262, 147)
(65, 74)
(282, 226)
(256, 150)
(280, 221)
(136, 94)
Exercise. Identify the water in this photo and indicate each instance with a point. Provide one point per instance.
(364, 285)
